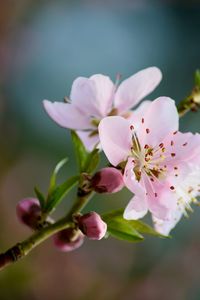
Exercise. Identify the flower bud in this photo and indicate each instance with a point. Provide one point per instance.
(68, 239)
(108, 180)
(92, 225)
(29, 212)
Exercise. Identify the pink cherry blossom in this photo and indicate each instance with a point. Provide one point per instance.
(96, 97)
(156, 156)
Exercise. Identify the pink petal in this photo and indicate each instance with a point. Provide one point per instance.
(104, 92)
(131, 182)
(164, 203)
(115, 137)
(137, 114)
(185, 146)
(136, 208)
(90, 142)
(135, 88)
(160, 119)
(66, 115)
(83, 96)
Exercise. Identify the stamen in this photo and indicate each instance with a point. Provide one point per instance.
(161, 145)
(131, 127)
(185, 144)
(172, 143)
(173, 154)
(172, 187)
(175, 132)
(142, 120)
(136, 142)
(147, 130)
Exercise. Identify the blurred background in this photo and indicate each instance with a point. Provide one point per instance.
(44, 46)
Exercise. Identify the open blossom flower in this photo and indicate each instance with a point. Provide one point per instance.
(187, 190)
(96, 97)
(157, 157)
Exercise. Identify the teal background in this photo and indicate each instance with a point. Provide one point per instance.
(44, 46)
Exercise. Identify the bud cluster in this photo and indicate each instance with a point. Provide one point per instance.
(90, 225)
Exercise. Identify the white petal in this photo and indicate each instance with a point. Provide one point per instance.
(136, 208)
(135, 88)
(66, 115)
(83, 96)
(104, 93)
(89, 141)
(165, 226)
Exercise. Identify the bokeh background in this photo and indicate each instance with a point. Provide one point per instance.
(44, 46)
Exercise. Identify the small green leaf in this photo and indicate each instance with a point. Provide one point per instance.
(59, 192)
(137, 225)
(54, 174)
(81, 152)
(145, 228)
(197, 78)
(92, 161)
(40, 197)
(120, 229)
(87, 161)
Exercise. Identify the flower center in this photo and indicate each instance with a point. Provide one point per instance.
(148, 159)
(150, 164)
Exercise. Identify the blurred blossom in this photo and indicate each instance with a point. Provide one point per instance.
(96, 97)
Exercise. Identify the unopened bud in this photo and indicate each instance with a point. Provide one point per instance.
(108, 180)
(29, 212)
(68, 239)
(92, 225)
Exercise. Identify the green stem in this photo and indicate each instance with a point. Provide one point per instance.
(79, 204)
(23, 248)
(190, 103)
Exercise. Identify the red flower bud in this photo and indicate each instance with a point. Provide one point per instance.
(92, 225)
(29, 212)
(107, 180)
(68, 239)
